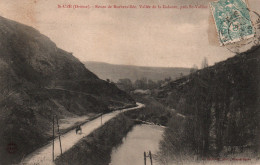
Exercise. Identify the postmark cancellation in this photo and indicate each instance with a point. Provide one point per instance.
(232, 20)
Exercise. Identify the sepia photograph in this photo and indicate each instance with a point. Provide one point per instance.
(129, 82)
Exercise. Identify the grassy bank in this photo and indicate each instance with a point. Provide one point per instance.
(96, 147)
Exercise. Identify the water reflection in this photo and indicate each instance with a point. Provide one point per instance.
(141, 138)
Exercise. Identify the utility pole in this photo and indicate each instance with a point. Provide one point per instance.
(101, 118)
(53, 138)
(59, 134)
(148, 155)
(144, 158)
(151, 159)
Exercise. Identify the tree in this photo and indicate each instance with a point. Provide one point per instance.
(194, 68)
(204, 63)
(168, 79)
(151, 84)
(125, 84)
(141, 84)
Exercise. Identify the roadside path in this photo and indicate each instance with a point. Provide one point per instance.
(43, 156)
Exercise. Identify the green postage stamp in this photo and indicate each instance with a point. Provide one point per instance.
(232, 20)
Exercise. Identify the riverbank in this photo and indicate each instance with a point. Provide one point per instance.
(43, 155)
(97, 146)
(142, 138)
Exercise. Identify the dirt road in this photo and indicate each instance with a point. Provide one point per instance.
(43, 156)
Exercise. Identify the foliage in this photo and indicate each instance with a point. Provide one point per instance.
(194, 68)
(153, 111)
(204, 63)
(20, 128)
(142, 83)
(221, 105)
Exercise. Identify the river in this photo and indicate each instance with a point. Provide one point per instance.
(141, 138)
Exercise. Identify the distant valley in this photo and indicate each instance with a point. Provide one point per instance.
(115, 72)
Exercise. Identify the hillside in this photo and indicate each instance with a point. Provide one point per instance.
(220, 108)
(39, 80)
(115, 72)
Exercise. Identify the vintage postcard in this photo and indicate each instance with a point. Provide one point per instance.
(129, 82)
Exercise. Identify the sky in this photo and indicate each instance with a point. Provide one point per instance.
(143, 37)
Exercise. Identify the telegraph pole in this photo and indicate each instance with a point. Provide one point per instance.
(59, 134)
(144, 158)
(151, 159)
(101, 118)
(148, 155)
(53, 138)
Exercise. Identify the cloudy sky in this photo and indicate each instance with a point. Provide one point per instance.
(145, 37)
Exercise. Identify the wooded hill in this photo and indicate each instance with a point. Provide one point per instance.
(39, 80)
(221, 108)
